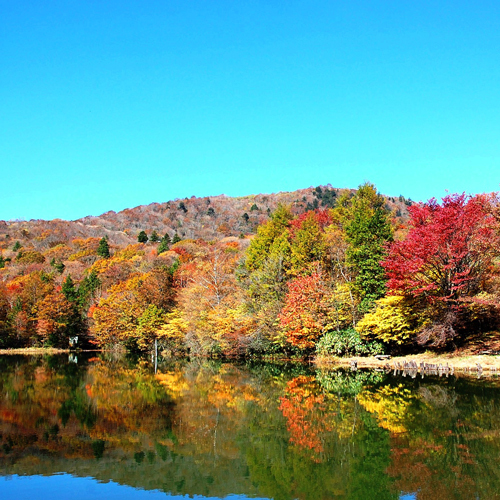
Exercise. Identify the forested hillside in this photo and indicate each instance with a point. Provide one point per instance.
(318, 270)
(209, 218)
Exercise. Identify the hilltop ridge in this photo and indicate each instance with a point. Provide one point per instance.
(208, 218)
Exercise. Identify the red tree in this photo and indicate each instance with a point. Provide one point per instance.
(449, 250)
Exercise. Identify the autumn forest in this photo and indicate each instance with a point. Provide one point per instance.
(319, 271)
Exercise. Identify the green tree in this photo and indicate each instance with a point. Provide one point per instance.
(163, 246)
(267, 234)
(103, 249)
(87, 291)
(16, 246)
(154, 237)
(142, 237)
(367, 227)
(69, 290)
(176, 239)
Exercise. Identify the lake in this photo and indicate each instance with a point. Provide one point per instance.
(108, 426)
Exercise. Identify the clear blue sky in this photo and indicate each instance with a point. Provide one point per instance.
(111, 104)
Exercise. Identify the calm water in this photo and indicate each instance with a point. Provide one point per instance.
(110, 428)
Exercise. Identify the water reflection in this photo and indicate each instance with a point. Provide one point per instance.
(259, 430)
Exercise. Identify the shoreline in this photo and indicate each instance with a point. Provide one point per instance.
(461, 363)
(42, 350)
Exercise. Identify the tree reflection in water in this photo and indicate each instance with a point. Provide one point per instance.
(277, 431)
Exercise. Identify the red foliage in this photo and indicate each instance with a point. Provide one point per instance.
(306, 415)
(303, 315)
(322, 217)
(448, 251)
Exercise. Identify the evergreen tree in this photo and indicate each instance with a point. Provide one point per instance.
(69, 290)
(367, 228)
(16, 246)
(245, 217)
(163, 246)
(154, 237)
(59, 267)
(103, 249)
(75, 320)
(167, 239)
(2, 262)
(143, 237)
(176, 239)
(88, 288)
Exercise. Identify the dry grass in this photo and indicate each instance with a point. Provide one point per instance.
(34, 350)
(463, 364)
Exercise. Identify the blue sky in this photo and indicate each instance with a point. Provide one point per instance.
(111, 104)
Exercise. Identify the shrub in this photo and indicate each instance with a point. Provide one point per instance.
(346, 343)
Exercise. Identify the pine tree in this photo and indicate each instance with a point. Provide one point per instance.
(16, 246)
(154, 237)
(69, 290)
(142, 237)
(176, 239)
(103, 249)
(163, 246)
(167, 239)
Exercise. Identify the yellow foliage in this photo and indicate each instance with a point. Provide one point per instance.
(390, 404)
(132, 253)
(340, 312)
(175, 327)
(174, 382)
(394, 319)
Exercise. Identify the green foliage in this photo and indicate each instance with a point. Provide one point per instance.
(148, 325)
(142, 237)
(346, 343)
(2, 262)
(182, 207)
(176, 239)
(345, 383)
(16, 246)
(267, 234)
(154, 237)
(327, 196)
(163, 246)
(103, 249)
(245, 217)
(367, 228)
(167, 239)
(307, 247)
(88, 289)
(57, 265)
(254, 207)
(69, 290)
